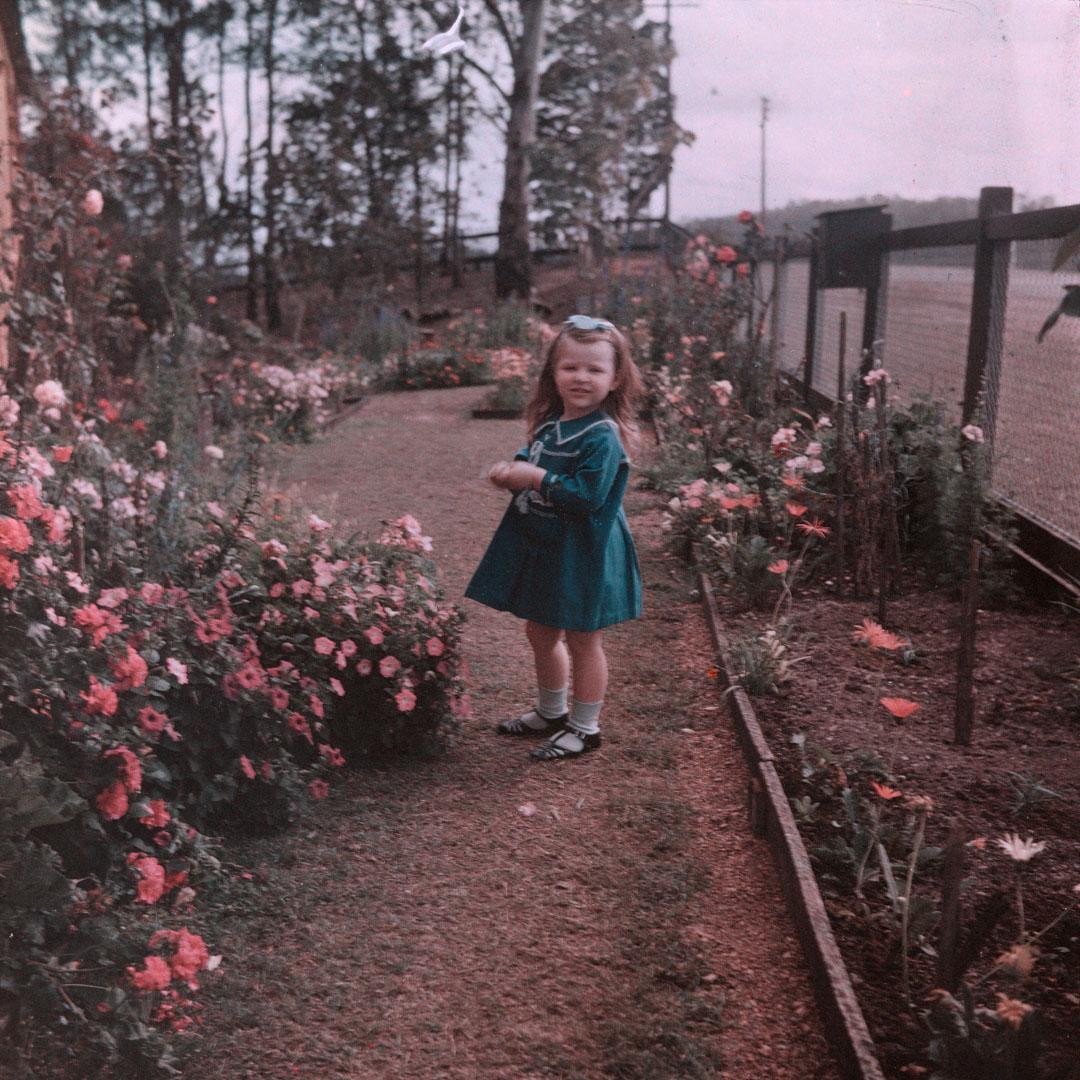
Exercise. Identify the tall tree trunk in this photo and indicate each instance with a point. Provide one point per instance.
(513, 272)
(175, 30)
(251, 285)
(270, 190)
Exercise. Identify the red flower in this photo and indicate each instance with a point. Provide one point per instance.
(795, 509)
(26, 502)
(62, 454)
(9, 572)
(100, 699)
(333, 755)
(319, 789)
(129, 770)
(152, 721)
(725, 254)
(159, 815)
(191, 955)
(112, 803)
(154, 976)
(130, 671)
(745, 217)
(151, 873)
(778, 567)
(108, 410)
(298, 724)
(14, 535)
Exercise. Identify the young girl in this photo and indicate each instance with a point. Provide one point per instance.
(562, 557)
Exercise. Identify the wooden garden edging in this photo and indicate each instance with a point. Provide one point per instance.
(771, 817)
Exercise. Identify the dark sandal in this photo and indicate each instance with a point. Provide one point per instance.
(552, 751)
(516, 726)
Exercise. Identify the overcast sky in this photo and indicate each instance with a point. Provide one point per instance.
(919, 98)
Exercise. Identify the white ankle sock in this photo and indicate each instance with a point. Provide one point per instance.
(585, 716)
(550, 704)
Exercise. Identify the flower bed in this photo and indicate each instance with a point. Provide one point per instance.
(961, 934)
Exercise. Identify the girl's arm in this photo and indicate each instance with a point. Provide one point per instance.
(587, 490)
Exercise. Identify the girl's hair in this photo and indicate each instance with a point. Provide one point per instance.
(621, 404)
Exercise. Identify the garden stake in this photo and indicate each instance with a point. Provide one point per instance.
(948, 973)
(888, 537)
(964, 718)
(841, 453)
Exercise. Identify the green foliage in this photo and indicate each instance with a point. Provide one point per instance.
(1031, 793)
(762, 663)
(426, 369)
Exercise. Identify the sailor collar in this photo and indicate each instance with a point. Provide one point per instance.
(594, 419)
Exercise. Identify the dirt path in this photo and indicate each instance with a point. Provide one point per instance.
(417, 925)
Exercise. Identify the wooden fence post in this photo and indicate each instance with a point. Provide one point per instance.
(986, 330)
(873, 326)
(811, 323)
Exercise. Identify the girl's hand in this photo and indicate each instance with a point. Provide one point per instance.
(515, 475)
(497, 473)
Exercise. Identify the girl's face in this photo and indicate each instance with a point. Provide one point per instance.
(584, 375)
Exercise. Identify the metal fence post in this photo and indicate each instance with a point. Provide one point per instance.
(986, 331)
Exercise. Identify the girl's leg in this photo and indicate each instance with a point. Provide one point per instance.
(590, 664)
(549, 652)
(552, 676)
(582, 731)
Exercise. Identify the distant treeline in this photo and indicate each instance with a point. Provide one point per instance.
(797, 219)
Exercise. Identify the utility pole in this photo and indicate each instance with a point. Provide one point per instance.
(764, 118)
(670, 108)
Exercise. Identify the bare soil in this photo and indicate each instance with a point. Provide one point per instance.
(1027, 723)
(419, 924)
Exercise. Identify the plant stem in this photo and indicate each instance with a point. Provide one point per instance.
(905, 917)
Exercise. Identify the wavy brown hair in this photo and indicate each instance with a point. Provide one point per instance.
(621, 404)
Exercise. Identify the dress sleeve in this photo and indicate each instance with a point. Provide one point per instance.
(587, 489)
(522, 454)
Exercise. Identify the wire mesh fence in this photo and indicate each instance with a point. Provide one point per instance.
(924, 323)
(1039, 397)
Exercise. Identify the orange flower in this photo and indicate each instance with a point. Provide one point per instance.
(876, 636)
(794, 482)
(884, 791)
(814, 528)
(1011, 1011)
(900, 707)
(778, 567)
(795, 509)
(979, 843)
(712, 672)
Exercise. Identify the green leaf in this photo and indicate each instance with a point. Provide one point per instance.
(29, 800)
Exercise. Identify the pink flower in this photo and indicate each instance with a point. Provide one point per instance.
(178, 670)
(159, 815)
(151, 886)
(26, 502)
(246, 767)
(435, 646)
(191, 955)
(152, 721)
(316, 706)
(778, 567)
(112, 803)
(316, 523)
(154, 976)
(374, 635)
(14, 535)
(319, 789)
(332, 755)
(279, 697)
(298, 724)
(152, 592)
(129, 770)
(112, 598)
(324, 646)
(130, 670)
(388, 665)
(99, 700)
(336, 686)
(364, 666)
(93, 202)
(406, 700)
(348, 648)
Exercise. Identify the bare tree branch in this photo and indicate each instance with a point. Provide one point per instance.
(504, 28)
(470, 62)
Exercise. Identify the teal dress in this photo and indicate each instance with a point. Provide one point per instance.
(563, 556)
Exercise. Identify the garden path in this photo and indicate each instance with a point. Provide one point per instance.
(417, 925)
